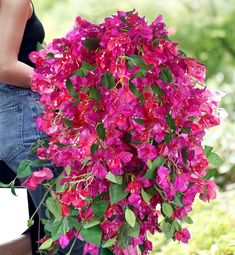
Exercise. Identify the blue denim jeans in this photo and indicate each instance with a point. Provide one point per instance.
(18, 110)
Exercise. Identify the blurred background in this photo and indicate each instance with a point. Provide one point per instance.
(205, 30)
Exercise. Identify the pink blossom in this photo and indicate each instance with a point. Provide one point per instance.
(90, 249)
(147, 152)
(37, 178)
(210, 191)
(130, 250)
(64, 240)
(183, 235)
(181, 183)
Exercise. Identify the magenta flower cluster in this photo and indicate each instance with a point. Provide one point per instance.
(125, 112)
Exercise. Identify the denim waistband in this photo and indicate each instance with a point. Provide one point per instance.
(7, 90)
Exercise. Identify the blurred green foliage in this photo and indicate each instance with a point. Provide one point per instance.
(212, 233)
(204, 29)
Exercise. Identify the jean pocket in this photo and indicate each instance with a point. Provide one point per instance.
(11, 132)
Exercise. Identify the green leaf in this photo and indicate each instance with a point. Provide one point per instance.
(80, 72)
(188, 220)
(37, 144)
(214, 159)
(87, 66)
(94, 148)
(3, 185)
(183, 53)
(147, 196)
(168, 229)
(39, 162)
(76, 102)
(139, 74)
(127, 137)
(134, 90)
(167, 138)
(114, 178)
(184, 155)
(135, 231)
(68, 169)
(140, 63)
(137, 142)
(99, 207)
(101, 131)
(59, 228)
(204, 191)
(110, 242)
(91, 223)
(71, 89)
(158, 162)
(178, 199)
(54, 207)
(73, 223)
(105, 251)
(160, 192)
(124, 241)
(177, 225)
(47, 244)
(139, 121)
(50, 55)
(39, 46)
(167, 209)
(130, 217)
(137, 60)
(130, 64)
(186, 130)
(58, 186)
(108, 80)
(156, 89)
(94, 93)
(117, 192)
(86, 160)
(211, 173)
(142, 248)
(150, 164)
(166, 75)
(208, 150)
(170, 121)
(54, 227)
(91, 43)
(92, 235)
(150, 174)
(13, 191)
(68, 122)
(24, 169)
(30, 223)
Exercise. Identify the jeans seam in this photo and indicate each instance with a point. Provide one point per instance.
(20, 144)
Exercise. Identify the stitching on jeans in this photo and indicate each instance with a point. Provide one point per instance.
(20, 145)
(15, 93)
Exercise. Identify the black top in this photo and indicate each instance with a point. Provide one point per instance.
(33, 34)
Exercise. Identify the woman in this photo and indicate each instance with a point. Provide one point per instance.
(20, 31)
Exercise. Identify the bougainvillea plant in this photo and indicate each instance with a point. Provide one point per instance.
(125, 112)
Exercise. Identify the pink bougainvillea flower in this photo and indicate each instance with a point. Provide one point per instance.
(208, 191)
(183, 235)
(130, 250)
(90, 249)
(64, 241)
(37, 178)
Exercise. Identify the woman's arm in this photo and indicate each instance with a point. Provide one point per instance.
(13, 18)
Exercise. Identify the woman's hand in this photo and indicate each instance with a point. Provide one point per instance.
(13, 17)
